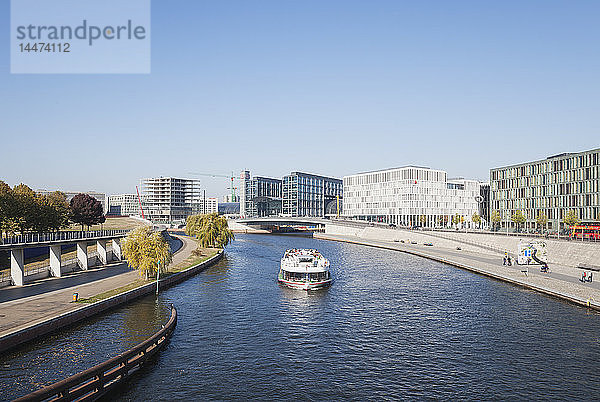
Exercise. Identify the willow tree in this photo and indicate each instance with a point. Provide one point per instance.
(211, 230)
(147, 251)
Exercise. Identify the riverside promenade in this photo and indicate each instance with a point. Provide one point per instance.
(562, 281)
(20, 313)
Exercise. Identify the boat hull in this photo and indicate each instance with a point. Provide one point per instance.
(305, 285)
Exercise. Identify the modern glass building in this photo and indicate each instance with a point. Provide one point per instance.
(552, 186)
(261, 196)
(307, 194)
(410, 196)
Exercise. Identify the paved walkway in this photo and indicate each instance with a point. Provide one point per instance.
(562, 281)
(42, 300)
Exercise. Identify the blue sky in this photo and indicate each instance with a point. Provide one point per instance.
(329, 87)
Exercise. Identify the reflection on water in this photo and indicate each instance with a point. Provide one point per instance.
(392, 326)
(217, 274)
(79, 347)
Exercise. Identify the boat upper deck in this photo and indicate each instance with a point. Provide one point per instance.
(303, 260)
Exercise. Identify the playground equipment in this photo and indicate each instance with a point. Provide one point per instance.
(532, 252)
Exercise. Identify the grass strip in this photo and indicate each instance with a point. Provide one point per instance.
(198, 256)
(110, 293)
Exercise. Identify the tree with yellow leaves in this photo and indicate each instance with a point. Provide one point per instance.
(146, 251)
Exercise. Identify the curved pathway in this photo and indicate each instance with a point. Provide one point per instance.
(46, 299)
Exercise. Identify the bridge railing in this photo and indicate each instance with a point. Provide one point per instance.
(29, 238)
(94, 382)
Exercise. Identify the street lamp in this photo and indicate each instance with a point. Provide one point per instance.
(157, 275)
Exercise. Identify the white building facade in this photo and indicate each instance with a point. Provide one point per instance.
(411, 196)
(125, 204)
(212, 206)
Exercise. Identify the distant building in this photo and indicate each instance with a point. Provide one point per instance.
(306, 194)
(484, 202)
(228, 198)
(212, 206)
(552, 186)
(171, 199)
(410, 196)
(70, 194)
(125, 204)
(261, 196)
(229, 208)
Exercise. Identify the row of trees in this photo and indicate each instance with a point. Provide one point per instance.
(149, 252)
(454, 219)
(571, 218)
(22, 210)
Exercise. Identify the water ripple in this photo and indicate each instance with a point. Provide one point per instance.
(392, 326)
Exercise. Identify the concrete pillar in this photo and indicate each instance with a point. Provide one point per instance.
(55, 254)
(101, 248)
(82, 254)
(17, 266)
(116, 247)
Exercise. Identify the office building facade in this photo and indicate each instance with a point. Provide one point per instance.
(410, 196)
(260, 196)
(171, 199)
(552, 186)
(210, 206)
(307, 194)
(125, 204)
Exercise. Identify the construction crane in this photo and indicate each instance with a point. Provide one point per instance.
(232, 178)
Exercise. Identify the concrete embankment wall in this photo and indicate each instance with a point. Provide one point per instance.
(567, 253)
(374, 233)
(28, 334)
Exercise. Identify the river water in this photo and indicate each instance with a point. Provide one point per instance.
(391, 326)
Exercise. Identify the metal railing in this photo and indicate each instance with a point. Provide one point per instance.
(95, 382)
(29, 238)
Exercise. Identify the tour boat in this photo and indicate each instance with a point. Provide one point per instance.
(304, 269)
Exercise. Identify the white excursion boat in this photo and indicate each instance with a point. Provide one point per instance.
(304, 269)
